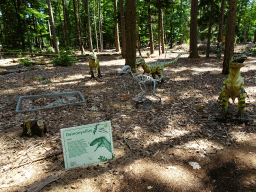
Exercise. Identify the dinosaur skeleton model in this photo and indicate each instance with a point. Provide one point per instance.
(233, 86)
(142, 80)
(94, 63)
(155, 68)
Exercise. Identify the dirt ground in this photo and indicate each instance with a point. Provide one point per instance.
(174, 146)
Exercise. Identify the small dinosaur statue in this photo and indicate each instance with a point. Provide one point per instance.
(156, 68)
(233, 86)
(94, 63)
(141, 80)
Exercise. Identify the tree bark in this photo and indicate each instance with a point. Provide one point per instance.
(26, 27)
(230, 37)
(78, 28)
(19, 27)
(95, 27)
(65, 24)
(162, 31)
(123, 32)
(193, 29)
(116, 29)
(151, 38)
(55, 45)
(244, 41)
(61, 26)
(131, 34)
(100, 28)
(219, 49)
(159, 29)
(209, 31)
(89, 27)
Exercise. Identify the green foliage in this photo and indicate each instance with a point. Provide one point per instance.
(26, 61)
(63, 59)
(50, 50)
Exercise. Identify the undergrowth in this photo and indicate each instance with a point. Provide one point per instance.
(64, 59)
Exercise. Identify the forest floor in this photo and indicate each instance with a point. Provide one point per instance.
(173, 146)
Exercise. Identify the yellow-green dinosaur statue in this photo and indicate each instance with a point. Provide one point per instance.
(233, 87)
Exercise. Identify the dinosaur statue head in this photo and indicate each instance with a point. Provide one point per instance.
(139, 62)
(237, 60)
(92, 56)
(125, 70)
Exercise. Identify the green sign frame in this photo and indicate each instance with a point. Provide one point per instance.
(87, 144)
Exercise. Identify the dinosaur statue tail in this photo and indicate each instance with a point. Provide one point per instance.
(168, 63)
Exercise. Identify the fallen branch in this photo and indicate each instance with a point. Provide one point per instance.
(16, 71)
(40, 185)
(35, 160)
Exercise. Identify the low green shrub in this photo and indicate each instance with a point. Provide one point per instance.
(63, 59)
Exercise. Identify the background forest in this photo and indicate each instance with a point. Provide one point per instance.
(82, 24)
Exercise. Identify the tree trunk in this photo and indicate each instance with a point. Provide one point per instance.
(116, 29)
(123, 32)
(193, 29)
(131, 34)
(55, 45)
(19, 27)
(151, 38)
(219, 49)
(209, 31)
(230, 37)
(162, 31)
(61, 26)
(65, 24)
(244, 41)
(78, 28)
(26, 26)
(89, 27)
(100, 28)
(159, 29)
(95, 26)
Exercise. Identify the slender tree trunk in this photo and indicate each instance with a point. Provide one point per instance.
(219, 49)
(100, 28)
(89, 27)
(19, 26)
(116, 29)
(78, 28)
(159, 30)
(209, 31)
(61, 26)
(131, 34)
(123, 32)
(254, 38)
(26, 27)
(55, 45)
(244, 41)
(193, 29)
(95, 26)
(50, 33)
(230, 37)
(65, 24)
(162, 30)
(151, 38)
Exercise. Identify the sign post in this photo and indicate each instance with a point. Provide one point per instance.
(87, 144)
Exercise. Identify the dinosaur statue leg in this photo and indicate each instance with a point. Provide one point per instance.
(91, 72)
(241, 104)
(224, 103)
(99, 73)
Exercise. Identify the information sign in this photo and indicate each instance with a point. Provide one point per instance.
(87, 144)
